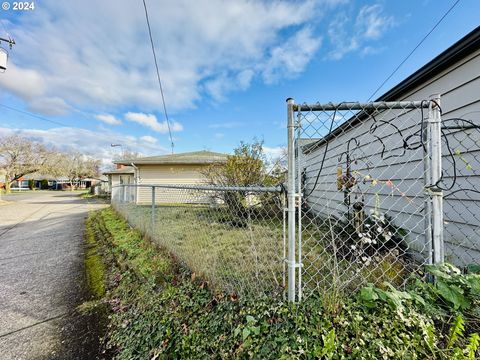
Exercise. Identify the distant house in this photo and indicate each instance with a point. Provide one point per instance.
(184, 168)
(122, 175)
(39, 181)
(2, 178)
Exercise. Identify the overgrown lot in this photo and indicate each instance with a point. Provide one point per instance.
(159, 309)
(236, 255)
(244, 253)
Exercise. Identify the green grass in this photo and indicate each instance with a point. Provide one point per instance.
(158, 309)
(94, 266)
(248, 257)
(88, 195)
(235, 259)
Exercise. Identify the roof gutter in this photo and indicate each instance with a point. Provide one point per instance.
(136, 180)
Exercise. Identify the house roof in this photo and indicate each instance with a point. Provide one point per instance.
(124, 170)
(36, 176)
(461, 49)
(194, 157)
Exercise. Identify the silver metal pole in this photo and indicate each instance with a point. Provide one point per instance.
(427, 179)
(262, 189)
(284, 276)
(153, 210)
(378, 105)
(291, 201)
(435, 124)
(299, 190)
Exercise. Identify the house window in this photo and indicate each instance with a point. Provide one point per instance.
(125, 179)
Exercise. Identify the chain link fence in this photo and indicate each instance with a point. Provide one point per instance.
(461, 165)
(374, 192)
(233, 237)
(380, 193)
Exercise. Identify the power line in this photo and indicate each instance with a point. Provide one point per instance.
(46, 119)
(158, 74)
(37, 116)
(414, 49)
(33, 115)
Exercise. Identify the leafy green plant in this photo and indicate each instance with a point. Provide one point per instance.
(456, 330)
(159, 309)
(473, 346)
(457, 291)
(44, 184)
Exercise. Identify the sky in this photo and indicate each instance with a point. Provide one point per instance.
(85, 69)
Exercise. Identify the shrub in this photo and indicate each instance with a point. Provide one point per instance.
(44, 184)
(159, 309)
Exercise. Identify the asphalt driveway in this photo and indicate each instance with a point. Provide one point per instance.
(42, 276)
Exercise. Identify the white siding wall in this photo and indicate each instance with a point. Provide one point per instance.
(116, 180)
(168, 175)
(459, 87)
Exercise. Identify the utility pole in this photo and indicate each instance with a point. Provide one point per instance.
(3, 64)
(4, 53)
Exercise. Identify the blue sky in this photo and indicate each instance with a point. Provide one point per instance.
(227, 66)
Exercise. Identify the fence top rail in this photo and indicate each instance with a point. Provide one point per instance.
(271, 189)
(376, 105)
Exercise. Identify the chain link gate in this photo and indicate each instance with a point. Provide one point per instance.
(374, 192)
(364, 201)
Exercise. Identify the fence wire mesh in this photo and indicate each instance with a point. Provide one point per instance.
(232, 237)
(361, 175)
(375, 192)
(461, 166)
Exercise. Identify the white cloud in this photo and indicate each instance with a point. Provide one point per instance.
(219, 135)
(225, 125)
(149, 139)
(110, 66)
(274, 155)
(274, 152)
(22, 82)
(370, 24)
(150, 120)
(289, 59)
(53, 106)
(99, 141)
(108, 119)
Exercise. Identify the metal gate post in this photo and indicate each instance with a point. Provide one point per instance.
(153, 210)
(427, 181)
(436, 194)
(299, 201)
(291, 201)
(284, 212)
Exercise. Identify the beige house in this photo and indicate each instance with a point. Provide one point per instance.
(122, 175)
(175, 169)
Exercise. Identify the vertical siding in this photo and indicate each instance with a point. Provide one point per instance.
(459, 87)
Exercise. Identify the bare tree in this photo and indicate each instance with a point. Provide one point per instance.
(20, 157)
(130, 155)
(75, 167)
